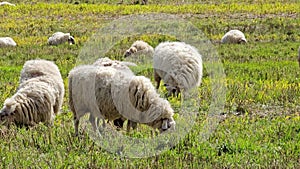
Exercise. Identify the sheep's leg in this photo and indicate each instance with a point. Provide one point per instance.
(93, 122)
(131, 124)
(76, 125)
(157, 78)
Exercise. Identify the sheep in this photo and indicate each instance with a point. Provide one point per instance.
(299, 56)
(108, 93)
(7, 41)
(6, 3)
(60, 38)
(138, 47)
(44, 68)
(234, 36)
(121, 66)
(179, 65)
(37, 99)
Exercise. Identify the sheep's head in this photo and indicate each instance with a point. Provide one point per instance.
(164, 124)
(71, 40)
(165, 121)
(7, 112)
(242, 40)
(130, 51)
(172, 90)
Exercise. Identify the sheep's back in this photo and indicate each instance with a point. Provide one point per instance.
(180, 61)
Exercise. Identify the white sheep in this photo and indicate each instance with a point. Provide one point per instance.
(44, 68)
(108, 93)
(38, 98)
(6, 3)
(139, 47)
(179, 65)
(60, 38)
(121, 66)
(7, 41)
(234, 36)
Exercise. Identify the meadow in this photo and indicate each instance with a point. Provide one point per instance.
(260, 125)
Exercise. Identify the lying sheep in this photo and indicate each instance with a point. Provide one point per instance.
(139, 47)
(38, 98)
(234, 36)
(7, 41)
(60, 38)
(179, 65)
(108, 93)
(6, 3)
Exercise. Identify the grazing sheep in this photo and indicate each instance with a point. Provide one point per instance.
(299, 56)
(44, 68)
(7, 41)
(121, 66)
(108, 93)
(60, 38)
(179, 65)
(38, 98)
(139, 46)
(6, 3)
(234, 36)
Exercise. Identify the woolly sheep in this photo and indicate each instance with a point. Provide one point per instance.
(38, 98)
(7, 41)
(139, 47)
(234, 36)
(60, 38)
(108, 93)
(6, 3)
(121, 66)
(44, 68)
(179, 65)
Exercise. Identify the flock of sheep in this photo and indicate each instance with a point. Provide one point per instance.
(107, 89)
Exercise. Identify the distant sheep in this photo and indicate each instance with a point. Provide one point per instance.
(60, 38)
(107, 93)
(179, 65)
(6, 3)
(7, 41)
(139, 47)
(39, 96)
(234, 36)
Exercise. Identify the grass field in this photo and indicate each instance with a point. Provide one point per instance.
(260, 126)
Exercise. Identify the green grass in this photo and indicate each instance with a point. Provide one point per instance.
(259, 127)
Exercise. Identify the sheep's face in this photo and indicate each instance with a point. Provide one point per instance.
(243, 40)
(6, 116)
(130, 51)
(71, 40)
(165, 124)
(172, 90)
